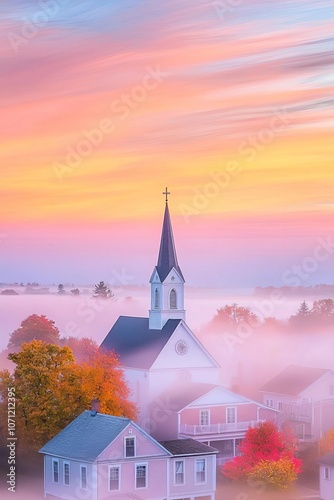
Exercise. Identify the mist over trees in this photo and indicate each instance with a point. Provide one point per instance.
(231, 317)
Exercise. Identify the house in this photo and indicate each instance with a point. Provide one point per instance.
(158, 351)
(326, 471)
(208, 413)
(101, 456)
(305, 397)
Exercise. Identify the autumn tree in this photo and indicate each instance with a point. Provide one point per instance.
(326, 443)
(83, 349)
(262, 444)
(102, 291)
(278, 474)
(52, 389)
(34, 328)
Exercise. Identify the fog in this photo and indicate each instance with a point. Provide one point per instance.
(248, 359)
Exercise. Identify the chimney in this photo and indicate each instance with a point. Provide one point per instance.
(95, 407)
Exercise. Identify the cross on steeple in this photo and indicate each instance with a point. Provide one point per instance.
(166, 193)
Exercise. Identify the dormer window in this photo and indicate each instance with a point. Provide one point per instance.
(173, 299)
(156, 299)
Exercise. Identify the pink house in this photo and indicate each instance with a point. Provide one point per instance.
(304, 397)
(210, 414)
(100, 456)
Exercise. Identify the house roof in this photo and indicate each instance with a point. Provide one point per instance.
(136, 345)
(179, 447)
(327, 459)
(180, 396)
(293, 380)
(167, 258)
(86, 437)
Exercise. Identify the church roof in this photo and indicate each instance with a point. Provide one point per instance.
(293, 380)
(167, 254)
(136, 345)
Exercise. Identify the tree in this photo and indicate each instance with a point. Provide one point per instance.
(83, 349)
(303, 317)
(61, 289)
(75, 291)
(231, 316)
(47, 391)
(102, 378)
(263, 443)
(326, 443)
(102, 291)
(34, 328)
(323, 311)
(52, 389)
(279, 474)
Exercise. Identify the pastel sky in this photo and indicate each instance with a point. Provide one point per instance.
(228, 103)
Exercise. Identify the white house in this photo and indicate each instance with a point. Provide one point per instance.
(305, 397)
(326, 471)
(100, 456)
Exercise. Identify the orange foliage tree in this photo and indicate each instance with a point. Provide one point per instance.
(51, 389)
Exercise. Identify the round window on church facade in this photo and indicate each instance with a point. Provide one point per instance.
(181, 347)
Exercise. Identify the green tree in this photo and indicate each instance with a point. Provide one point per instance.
(75, 291)
(34, 328)
(102, 291)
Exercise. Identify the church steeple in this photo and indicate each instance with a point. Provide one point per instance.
(167, 254)
(167, 281)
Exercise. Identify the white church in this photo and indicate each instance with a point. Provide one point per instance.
(173, 379)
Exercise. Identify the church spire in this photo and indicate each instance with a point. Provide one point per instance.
(167, 281)
(167, 254)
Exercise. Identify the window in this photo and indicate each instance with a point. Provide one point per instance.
(141, 476)
(156, 299)
(114, 476)
(231, 415)
(172, 299)
(55, 470)
(83, 477)
(270, 403)
(327, 473)
(280, 406)
(179, 472)
(130, 447)
(200, 471)
(204, 417)
(66, 477)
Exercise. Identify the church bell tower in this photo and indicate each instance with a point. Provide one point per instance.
(167, 281)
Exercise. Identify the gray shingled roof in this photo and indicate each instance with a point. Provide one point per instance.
(293, 380)
(167, 254)
(187, 447)
(86, 437)
(327, 459)
(136, 345)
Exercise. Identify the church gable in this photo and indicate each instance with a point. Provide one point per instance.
(183, 351)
